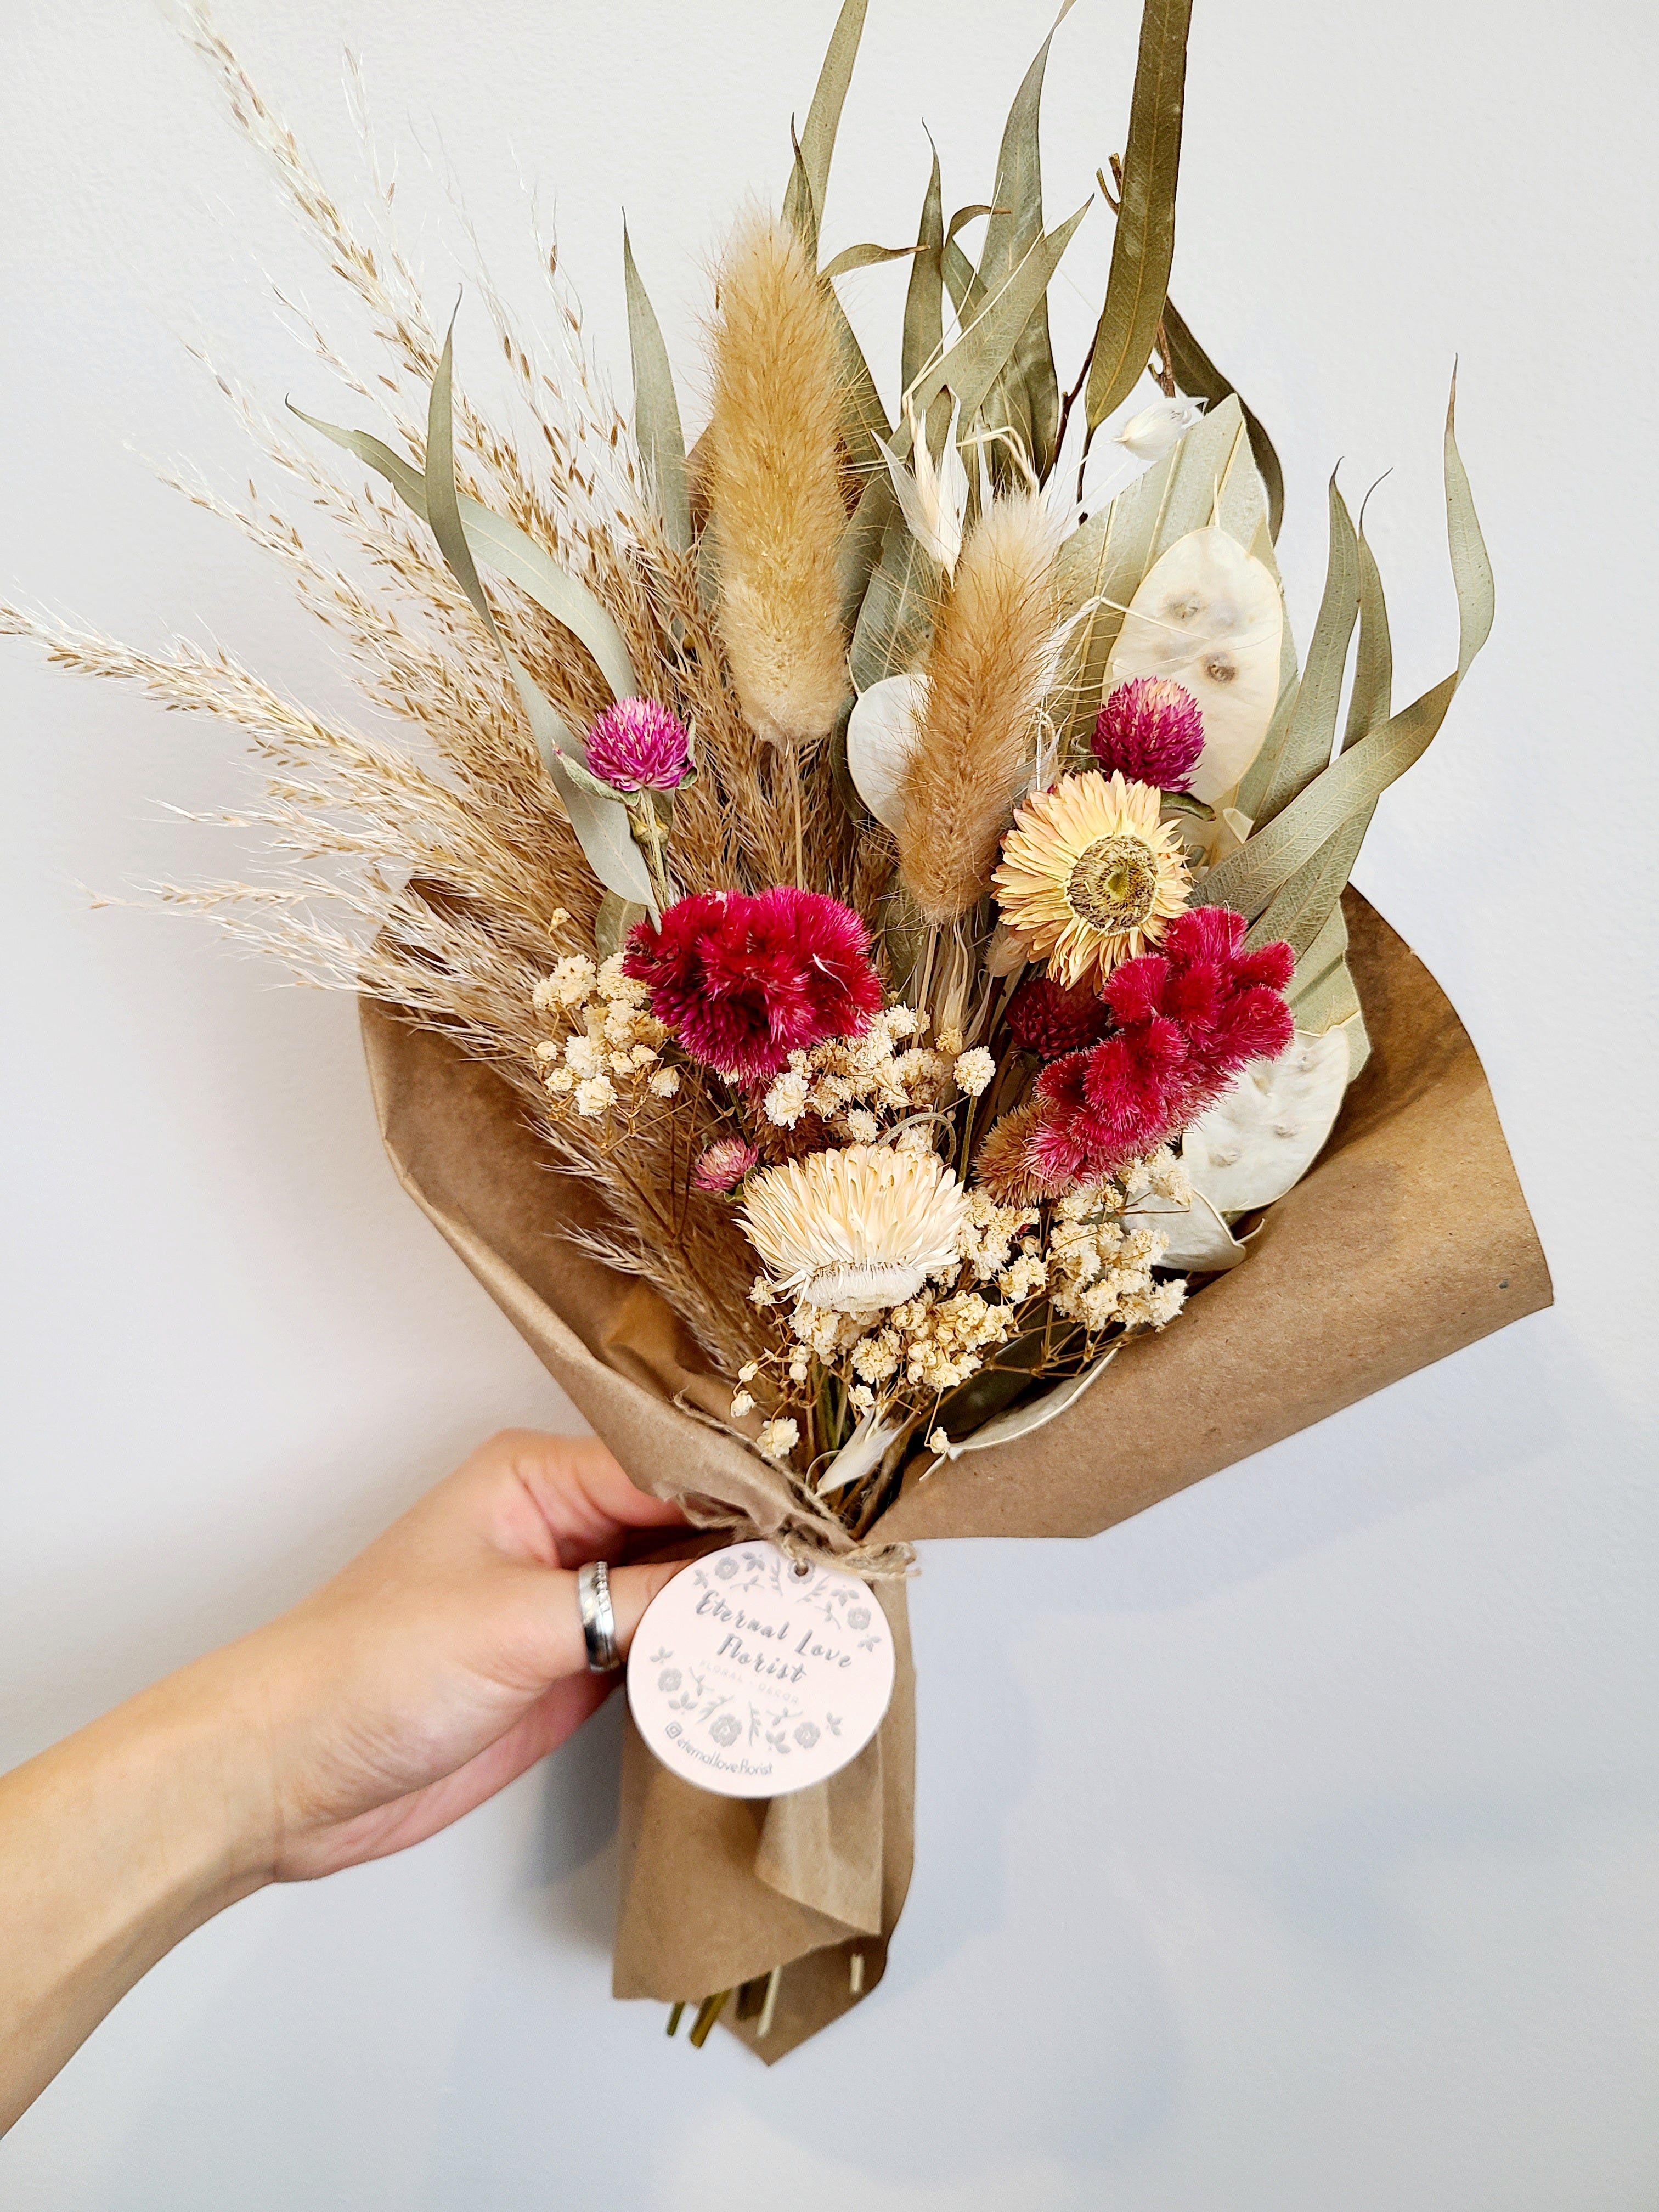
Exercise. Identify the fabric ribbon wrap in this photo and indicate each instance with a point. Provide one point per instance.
(1408, 1239)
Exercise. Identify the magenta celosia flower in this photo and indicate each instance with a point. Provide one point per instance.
(1189, 1017)
(1151, 731)
(742, 980)
(637, 745)
(1048, 1019)
(724, 1165)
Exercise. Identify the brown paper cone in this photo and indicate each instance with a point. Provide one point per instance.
(1408, 1239)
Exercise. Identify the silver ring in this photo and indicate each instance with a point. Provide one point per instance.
(598, 1622)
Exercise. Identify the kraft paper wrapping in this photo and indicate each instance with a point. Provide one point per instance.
(1408, 1239)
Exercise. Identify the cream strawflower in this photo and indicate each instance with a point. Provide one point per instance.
(1089, 875)
(857, 1229)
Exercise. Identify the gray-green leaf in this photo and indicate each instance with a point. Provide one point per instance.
(1309, 734)
(1143, 246)
(656, 409)
(979, 354)
(924, 300)
(1025, 397)
(1198, 376)
(503, 546)
(601, 825)
(1248, 879)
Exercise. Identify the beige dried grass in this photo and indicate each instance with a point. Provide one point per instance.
(432, 866)
(772, 474)
(990, 663)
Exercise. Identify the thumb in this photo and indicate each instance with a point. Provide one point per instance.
(548, 1611)
(632, 1589)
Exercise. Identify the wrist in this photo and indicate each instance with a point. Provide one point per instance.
(170, 1789)
(203, 1737)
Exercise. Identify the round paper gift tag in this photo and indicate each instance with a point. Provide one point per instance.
(752, 1678)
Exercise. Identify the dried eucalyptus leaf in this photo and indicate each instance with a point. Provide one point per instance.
(1035, 1412)
(1371, 701)
(1353, 782)
(861, 545)
(1025, 397)
(1300, 908)
(1209, 615)
(601, 824)
(976, 360)
(897, 618)
(617, 919)
(516, 556)
(863, 418)
(502, 544)
(863, 257)
(1310, 732)
(1323, 996)
(958, 269)
(1144, 245)
(817, 140)
(1254, 1144)
(881, 736)
(656, 409)
(924, 299)
(1195, 373)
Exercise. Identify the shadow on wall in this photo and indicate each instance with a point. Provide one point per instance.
(573, 1864)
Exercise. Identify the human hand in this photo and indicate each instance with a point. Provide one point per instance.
(445, 1659)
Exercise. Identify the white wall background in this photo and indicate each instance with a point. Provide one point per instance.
(1307, 1857)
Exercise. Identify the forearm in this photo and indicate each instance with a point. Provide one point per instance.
(429, 1671)
(114, 1844)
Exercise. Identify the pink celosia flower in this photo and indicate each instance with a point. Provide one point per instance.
(1189, 1017)
(637, 745)
(742, 980)
(724, 1165)
(1048, 1019)
(1151, 731)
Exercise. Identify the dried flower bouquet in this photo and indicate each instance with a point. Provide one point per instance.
(905, 889)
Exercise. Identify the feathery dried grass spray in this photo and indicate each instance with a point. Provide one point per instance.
(991, 662)
(773, 448)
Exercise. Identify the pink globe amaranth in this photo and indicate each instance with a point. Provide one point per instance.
(744, 980)
(1151, 731)
(637, 745)
(724, 1166)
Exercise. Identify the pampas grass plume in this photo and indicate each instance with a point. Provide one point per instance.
(990, 663)
(774, 483)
